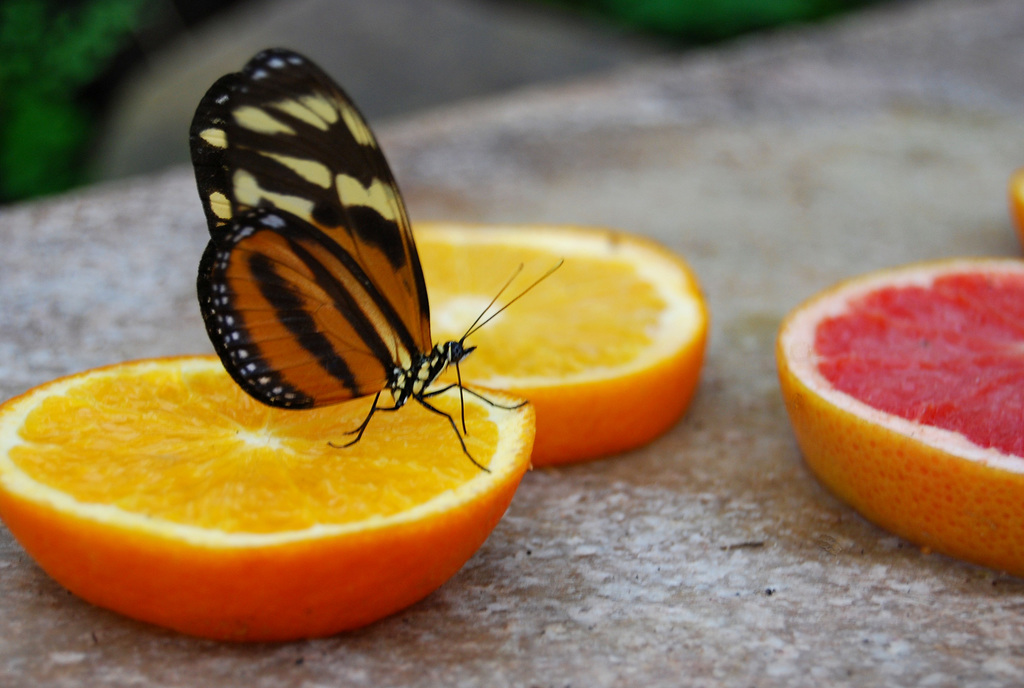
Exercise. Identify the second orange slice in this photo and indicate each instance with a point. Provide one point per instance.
(608, 349)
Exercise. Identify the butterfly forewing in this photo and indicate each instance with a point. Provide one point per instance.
(281, 136)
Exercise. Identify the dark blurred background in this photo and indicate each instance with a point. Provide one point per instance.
(101, 89)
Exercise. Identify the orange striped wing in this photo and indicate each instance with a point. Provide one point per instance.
(311, 284)
(294, 317)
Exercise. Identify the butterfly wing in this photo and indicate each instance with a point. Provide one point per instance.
(291, 177)
(293, 316)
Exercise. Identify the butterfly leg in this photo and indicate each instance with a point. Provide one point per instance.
(358, 432)
(439, 390)
(481, 397)
(451, 421)
(495, 404)
(462, 402)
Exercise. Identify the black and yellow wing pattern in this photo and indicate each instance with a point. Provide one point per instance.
(311, 287)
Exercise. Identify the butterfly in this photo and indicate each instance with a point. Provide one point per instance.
(311, 288)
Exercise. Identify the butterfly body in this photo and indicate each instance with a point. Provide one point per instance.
(425, 369)
(311, 287)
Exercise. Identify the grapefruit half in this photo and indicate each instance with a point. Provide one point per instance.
(905, 389)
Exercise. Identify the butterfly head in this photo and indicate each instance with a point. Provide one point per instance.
(455, 351)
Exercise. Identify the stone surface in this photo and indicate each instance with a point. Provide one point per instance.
(711, 557)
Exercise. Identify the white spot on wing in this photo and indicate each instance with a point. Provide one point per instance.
(274, 221)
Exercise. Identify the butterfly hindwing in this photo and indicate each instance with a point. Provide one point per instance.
(283, 156)
(294, 317)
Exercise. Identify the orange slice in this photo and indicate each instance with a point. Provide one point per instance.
(608, 349)
(160, 490)
(1015, 193)
(906, 393)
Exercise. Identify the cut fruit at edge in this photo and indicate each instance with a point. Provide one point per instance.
(161, 491)
(928, 483)
(1015, 193)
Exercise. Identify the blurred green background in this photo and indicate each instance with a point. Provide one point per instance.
(61, 61)
(702, 21)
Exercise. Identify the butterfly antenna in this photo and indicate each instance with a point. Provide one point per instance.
(478, 323)
(473, 328)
